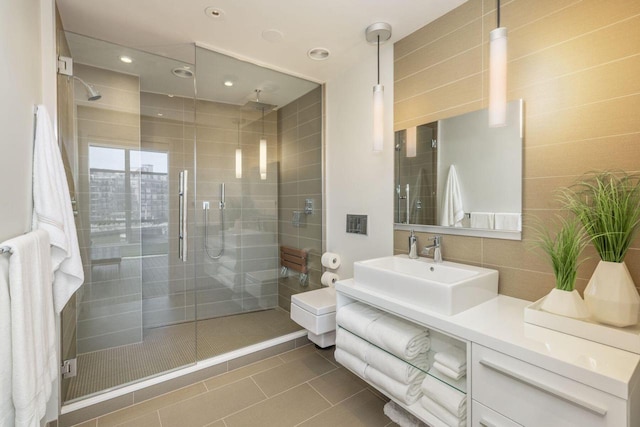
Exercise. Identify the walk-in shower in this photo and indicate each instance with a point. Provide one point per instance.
(181, 253)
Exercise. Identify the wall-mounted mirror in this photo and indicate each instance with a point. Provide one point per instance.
(459, 176)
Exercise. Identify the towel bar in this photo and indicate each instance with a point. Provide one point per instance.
(5, 249)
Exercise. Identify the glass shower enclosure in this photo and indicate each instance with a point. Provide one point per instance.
(176, 181)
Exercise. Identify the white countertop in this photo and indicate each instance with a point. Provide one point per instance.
(499, 324)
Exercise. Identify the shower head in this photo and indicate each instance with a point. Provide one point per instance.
(257, 105)
(92, 93)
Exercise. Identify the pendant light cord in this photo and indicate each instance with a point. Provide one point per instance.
(379, 57)
(498, 13)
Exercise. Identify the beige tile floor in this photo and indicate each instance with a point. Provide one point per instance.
(303, 387)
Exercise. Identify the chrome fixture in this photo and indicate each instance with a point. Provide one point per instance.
(221, 206)
(437, 253)
(413, 246)
(378, 33)
(92, 93)
(183, 178)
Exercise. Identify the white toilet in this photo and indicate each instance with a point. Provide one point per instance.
(316, 312)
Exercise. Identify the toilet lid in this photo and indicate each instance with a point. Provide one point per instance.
(320, 301)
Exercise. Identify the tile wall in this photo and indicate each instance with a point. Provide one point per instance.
(300, 153)
(575, 64)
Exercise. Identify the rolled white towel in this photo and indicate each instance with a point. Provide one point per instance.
(350, 362)
(456, 375)
(384, 362)
(400, 416)
(399, 337)
(398, 369)
(453, 358)
(446, 396)
(406, 393)
(441, 413)
(357, 317)
(352, 343)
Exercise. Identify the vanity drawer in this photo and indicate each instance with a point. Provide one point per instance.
(481, 416)
(533, 396)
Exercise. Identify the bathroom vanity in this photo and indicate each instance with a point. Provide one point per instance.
(519, 374)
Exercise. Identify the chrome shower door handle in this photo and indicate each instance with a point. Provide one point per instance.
(182, 215)
(408, 206)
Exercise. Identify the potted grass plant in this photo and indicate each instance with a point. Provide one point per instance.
(608, 206)
(563, 250)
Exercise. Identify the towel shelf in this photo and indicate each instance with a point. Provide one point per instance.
(460, 385)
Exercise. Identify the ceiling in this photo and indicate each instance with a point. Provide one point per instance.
(245, 29)
(213, 70)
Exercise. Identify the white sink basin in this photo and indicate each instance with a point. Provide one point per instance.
(446, 288)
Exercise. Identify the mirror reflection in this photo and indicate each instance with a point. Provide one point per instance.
(461, 176)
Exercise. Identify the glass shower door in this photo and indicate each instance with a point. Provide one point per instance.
(135, 313)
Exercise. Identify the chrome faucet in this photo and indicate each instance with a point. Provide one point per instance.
(437, 253)
(413, 246)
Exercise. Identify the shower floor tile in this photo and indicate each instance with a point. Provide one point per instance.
(329, 396)
(170, 347)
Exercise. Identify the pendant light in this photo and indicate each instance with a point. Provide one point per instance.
(238, 156)
(263, 152)
(378, 33)
(412, 138)
(498, 73)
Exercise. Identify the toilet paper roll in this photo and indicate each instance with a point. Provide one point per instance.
(329, 279)
(330, 260)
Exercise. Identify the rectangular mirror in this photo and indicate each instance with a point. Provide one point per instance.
(460, 176)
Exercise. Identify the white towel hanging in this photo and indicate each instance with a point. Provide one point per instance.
(53, 213)
(452, 210)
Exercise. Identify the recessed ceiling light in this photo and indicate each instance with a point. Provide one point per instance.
(228, 83)
(273, 35)
(170, 95)
(182, 72)
(160, 114)
(318, 53)
(214, 12)
(126, 59)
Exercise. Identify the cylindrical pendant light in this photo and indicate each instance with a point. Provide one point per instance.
(498, 74)
(263, 152)
(238, 156)
(263, 158)
(412, 136)
(378, 33)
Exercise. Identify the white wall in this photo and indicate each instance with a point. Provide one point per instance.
(359, 181)
(27, 78)
(20, 77)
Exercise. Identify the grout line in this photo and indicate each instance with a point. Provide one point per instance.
(159, 418)
(330, 407)
(259, 388)
(321, 395)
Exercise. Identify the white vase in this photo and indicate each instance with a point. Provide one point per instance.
(612, 296)
(565, 303)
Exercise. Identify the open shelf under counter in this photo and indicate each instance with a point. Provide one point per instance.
(607, 378)
(439, 342)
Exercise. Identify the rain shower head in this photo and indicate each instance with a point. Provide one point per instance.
(257, 105)
(92, 93)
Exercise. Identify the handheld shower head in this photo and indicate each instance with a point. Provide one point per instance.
(92, 93)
